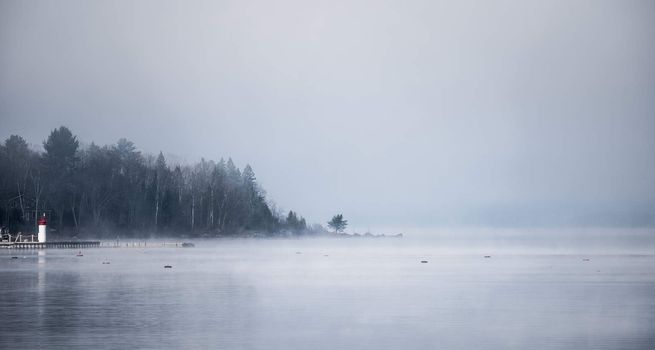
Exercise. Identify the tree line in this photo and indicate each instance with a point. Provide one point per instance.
(116, 189)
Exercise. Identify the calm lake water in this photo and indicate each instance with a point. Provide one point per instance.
(536, 291)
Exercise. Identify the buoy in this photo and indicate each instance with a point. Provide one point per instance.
(424, 261)
(168, 267)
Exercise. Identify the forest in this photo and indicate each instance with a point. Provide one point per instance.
(112, 190)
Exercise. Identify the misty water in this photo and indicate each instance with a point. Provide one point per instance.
(539, 289)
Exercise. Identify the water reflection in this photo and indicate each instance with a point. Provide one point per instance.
(40, 285)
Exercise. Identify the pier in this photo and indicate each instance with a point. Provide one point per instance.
(92, 244)
(31, 241)
(43, 245)
(145, 244)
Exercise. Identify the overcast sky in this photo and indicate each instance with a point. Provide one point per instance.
(404, 113)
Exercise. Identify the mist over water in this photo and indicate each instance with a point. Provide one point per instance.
(519, 114)
(517, 241)
(536, 290)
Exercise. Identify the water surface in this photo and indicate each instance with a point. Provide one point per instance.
(532, 292)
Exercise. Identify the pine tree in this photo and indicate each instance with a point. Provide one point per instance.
(60, 160)
(338, 223)
(161, 172)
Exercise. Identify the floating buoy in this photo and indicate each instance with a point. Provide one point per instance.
(168, 267)
(424, 261)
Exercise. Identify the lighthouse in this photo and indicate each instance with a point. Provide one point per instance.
(42, 224)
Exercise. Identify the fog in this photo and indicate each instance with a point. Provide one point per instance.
(393, 113)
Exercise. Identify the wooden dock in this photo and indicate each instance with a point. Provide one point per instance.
(144, 244)
(93, 244)
(43, 245)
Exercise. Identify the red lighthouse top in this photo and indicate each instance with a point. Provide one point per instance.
(42, 220)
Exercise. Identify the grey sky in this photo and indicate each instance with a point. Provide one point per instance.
(408, 113)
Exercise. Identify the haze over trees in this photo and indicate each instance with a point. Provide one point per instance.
(115, 189)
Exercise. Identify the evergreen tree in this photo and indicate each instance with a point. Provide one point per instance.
(161, 177)
(60, 161)
(337, 223)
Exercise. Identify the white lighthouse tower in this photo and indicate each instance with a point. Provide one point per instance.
(42, 225)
